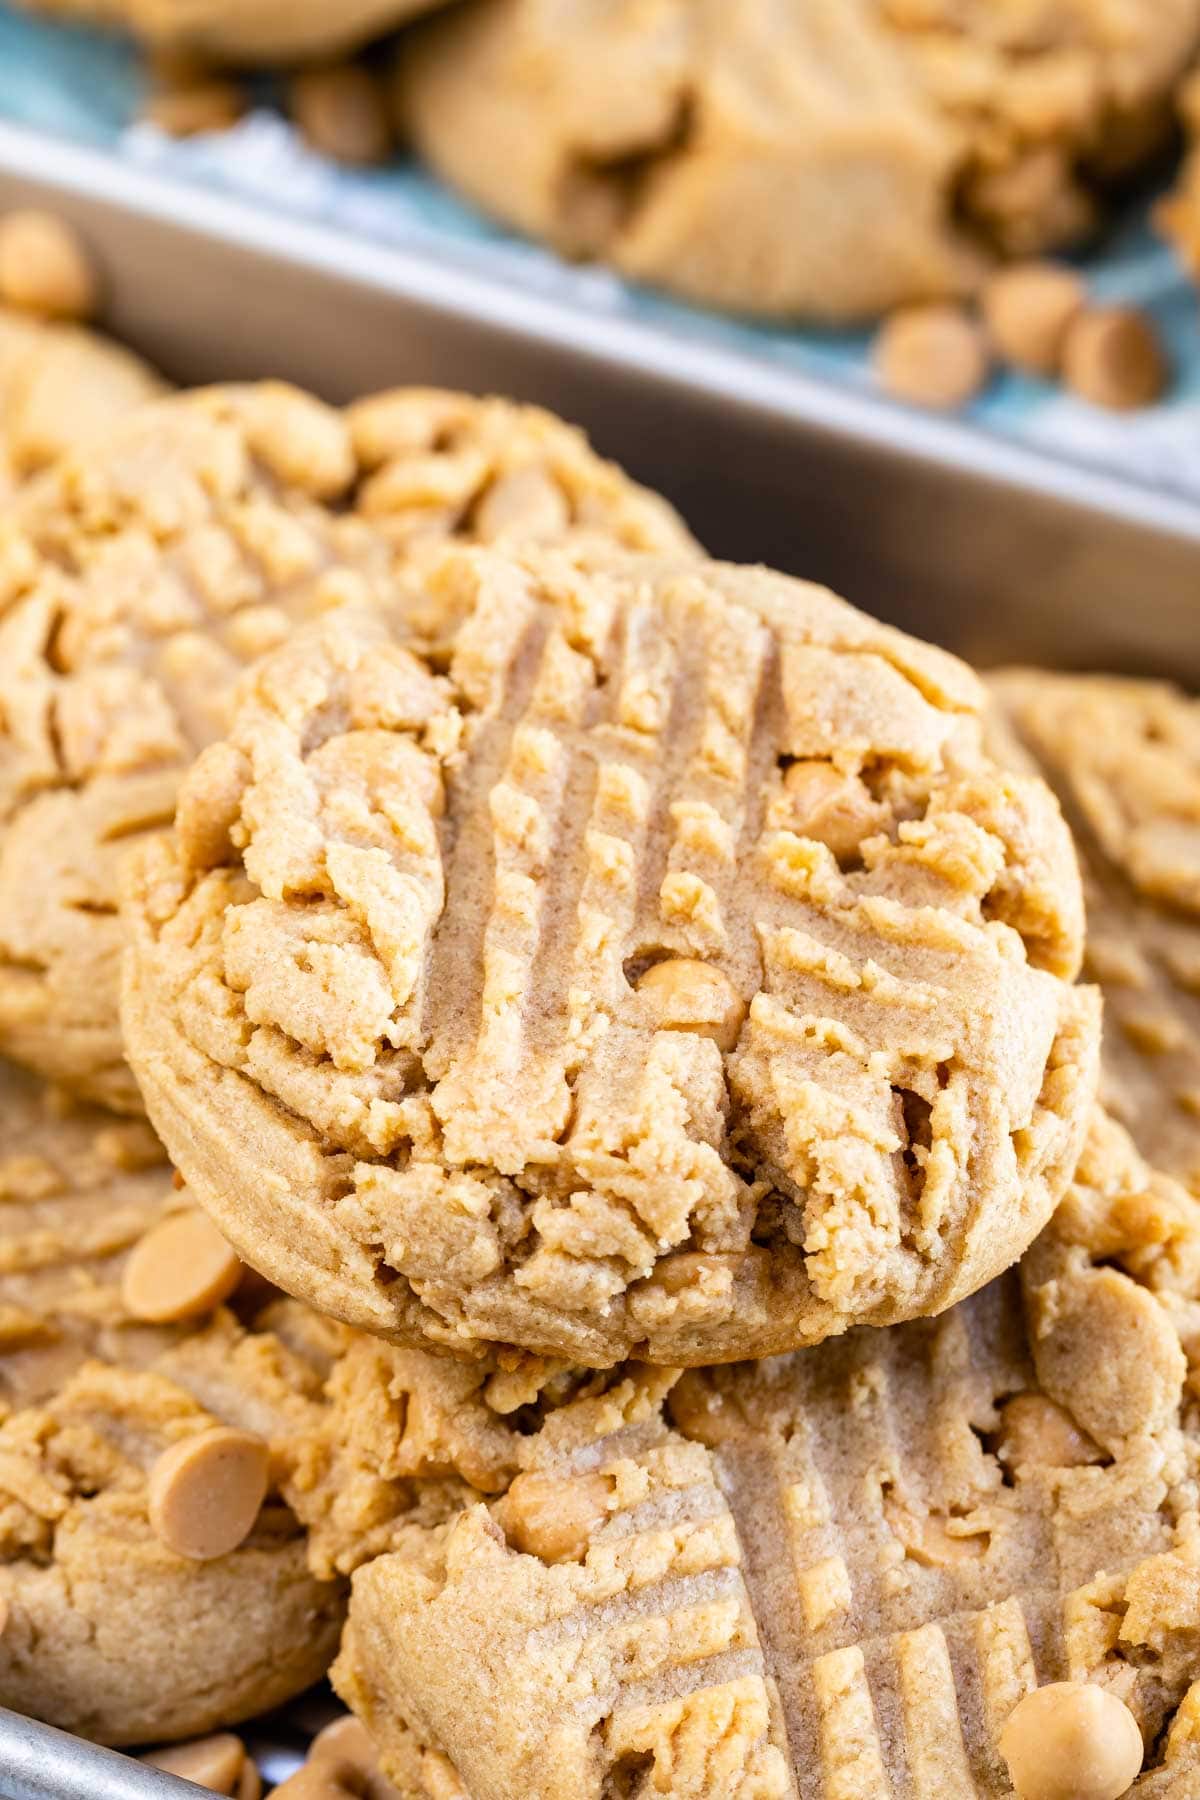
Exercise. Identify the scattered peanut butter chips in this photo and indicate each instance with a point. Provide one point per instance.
(206, 1491)
(657, 966)
(180, 1270)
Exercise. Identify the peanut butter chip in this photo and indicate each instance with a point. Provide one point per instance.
(1028, 311)
(553, 1516)
(181, 1269)
(1035, 1433)
(214, 105)
(932, 356)
(1115, 358)
(44, 267)
(341, 110)
(205, 1493)
(212, 1762)
(1071, 1741)
(687, 995)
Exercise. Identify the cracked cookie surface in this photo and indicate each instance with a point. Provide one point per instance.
(830, 159)
(140, 576)
(656, 965)
(107, 1630)
(826, 1576)
(1124, 758)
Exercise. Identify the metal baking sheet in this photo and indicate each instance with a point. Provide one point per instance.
(992, 548)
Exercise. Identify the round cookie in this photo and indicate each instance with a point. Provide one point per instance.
(827, 160)
(837, 1573)
(1124, 758)
(245, 31)
(139, 577)
(113, 1627)
(656, 966)
(61, 387)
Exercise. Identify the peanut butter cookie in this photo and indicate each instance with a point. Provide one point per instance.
(139, 577)
(61, 388)
(153, 1581)
(1124, 758)
(837, 1573)
(655, 965)
(830, 159)
(244, 31)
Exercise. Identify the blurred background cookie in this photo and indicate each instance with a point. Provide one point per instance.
(654, 965)
(825, 161)
(244, 31)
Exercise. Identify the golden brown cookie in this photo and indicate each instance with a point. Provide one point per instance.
(831, 160)
(61, 387)
(1124, 758)
(656, 966)
(116, 1623)
(833, 1575)
(139, 577)
(245, 31)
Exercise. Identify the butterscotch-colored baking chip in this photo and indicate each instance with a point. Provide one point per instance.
(205, 1492)
(181, 1269)
(215, 1762)
(342, 110)
(1071, 1741)
(1028, 310)
(342, 1764)
(136, 583)
(901, 1562)
(687, 995)
(504, 990)
(1114, 357)
(214, 104)
(45, 268)
(934, 356)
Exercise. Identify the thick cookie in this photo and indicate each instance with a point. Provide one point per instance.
(245, 31)
(830, 1576)
(830, 160)
(138, 578)
(61, 388)
(672, 975)
(145, 1593)
(1124, 757)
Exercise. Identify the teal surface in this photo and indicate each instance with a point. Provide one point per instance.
(86, 86)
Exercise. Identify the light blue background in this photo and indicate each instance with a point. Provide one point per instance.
(87, 87)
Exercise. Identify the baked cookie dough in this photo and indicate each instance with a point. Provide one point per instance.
(139, 577)
(244, 31)
(828, 160)
(656, 966)
(1124, 758)
(830, 1576)
(153, 1582)
(61, 387)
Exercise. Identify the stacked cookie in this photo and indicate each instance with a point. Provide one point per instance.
(560, 970)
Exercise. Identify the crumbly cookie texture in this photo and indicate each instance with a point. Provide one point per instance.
(838, 1572)
(245, 31)
(832, 159)
(108, 1629)
(137, 579)
(672, 975)
(1124, 757)
(61, 388)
